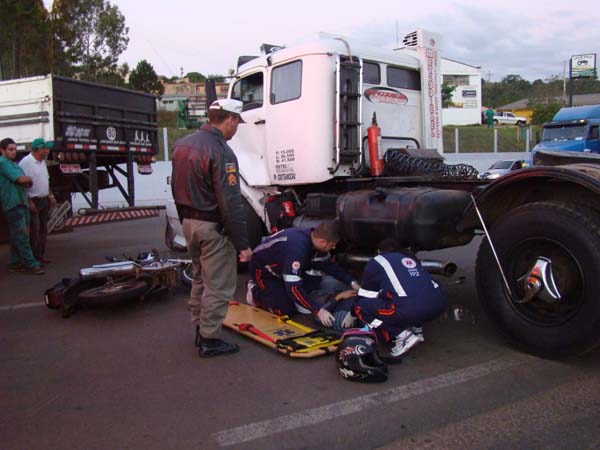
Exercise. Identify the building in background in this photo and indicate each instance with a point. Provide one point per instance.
(193, 94)
(522, 107)
(465, 105)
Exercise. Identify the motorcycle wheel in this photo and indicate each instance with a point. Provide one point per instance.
(120, 290)
(186, 274)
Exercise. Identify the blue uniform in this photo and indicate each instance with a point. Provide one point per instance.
(286, 267)
(399, 292)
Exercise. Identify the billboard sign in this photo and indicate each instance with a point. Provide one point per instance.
(583, 66)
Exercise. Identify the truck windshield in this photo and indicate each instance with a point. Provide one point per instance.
(565, 133)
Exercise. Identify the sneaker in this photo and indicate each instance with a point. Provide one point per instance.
(37, 270)
(249, 297)
(216, 347)
(404, 342)
(418, 332)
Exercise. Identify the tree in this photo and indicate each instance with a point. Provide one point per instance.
(195, 77)
(543, 111)
(144, 78)
(88, 37)
(24, 32)
(217, 77)
(447, 91)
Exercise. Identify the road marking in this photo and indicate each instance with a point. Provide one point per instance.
(314, 416)
(22, 306)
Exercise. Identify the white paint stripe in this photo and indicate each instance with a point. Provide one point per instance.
(22, 306)
(258, 430)
(389, 271)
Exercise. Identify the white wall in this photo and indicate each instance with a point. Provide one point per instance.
(467, 109)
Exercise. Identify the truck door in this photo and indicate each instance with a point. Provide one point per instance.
(249, 142)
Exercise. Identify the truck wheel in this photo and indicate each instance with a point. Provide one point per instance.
(570, 239)
(520, 123)
(495, 121)
(120, 290)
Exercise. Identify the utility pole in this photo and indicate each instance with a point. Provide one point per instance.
(489, 75)
(564, 100)
(570, 82)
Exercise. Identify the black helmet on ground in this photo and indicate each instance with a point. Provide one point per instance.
(357, 358)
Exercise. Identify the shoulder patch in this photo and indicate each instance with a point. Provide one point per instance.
(230, 168)
(409, 263)
(295, 266)
(232, 179)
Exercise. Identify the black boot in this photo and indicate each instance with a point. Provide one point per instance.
(215, 347)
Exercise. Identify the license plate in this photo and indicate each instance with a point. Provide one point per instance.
(144, 169)
(70, 168)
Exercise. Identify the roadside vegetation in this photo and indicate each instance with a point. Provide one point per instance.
(479, 138)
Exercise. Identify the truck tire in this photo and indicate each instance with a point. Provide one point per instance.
(495, 121)
(570, 238)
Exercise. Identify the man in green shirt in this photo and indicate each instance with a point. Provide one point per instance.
(15, 204)
(489, 115)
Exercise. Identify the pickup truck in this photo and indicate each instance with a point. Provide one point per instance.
(508, 118)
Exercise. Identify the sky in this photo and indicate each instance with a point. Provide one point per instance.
(531, 38)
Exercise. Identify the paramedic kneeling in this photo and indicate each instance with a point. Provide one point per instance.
(288, 265)
(399, 292)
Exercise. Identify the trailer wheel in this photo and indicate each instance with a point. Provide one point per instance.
(117, 291)
(570, 239)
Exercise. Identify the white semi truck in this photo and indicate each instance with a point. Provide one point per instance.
(310, 150)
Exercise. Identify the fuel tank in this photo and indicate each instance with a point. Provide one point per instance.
(423, 218)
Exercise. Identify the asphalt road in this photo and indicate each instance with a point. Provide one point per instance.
(128, 376)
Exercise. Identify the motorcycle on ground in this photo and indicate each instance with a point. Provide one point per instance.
(118, 280)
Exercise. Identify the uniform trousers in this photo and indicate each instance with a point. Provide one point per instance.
(214, 281)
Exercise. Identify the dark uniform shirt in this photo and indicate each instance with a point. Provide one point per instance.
(206, 184)
(396, 276)
(290, 256)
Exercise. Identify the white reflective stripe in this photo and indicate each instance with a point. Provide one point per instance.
(389, 271)
(291, 278)
(270, 243)
(366, 293)
(322, 258)
(314, 273)
(301, 309)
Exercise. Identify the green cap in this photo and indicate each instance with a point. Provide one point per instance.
(41, 143)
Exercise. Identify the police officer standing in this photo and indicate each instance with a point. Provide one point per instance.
(206, 189)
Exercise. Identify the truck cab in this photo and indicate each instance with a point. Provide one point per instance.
(307, 109)
(572, 130)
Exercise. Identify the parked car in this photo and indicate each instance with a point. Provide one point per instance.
(508, 118)
(500, 168)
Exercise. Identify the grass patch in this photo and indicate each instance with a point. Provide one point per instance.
(474, 139)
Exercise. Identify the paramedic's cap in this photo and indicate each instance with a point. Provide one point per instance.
(40, 143)
(226, 104)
